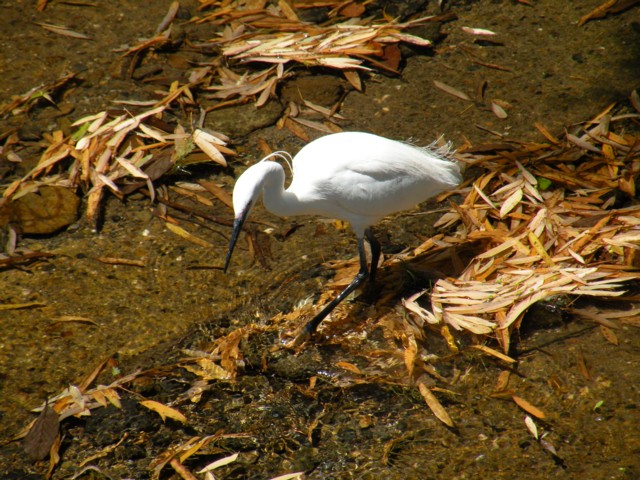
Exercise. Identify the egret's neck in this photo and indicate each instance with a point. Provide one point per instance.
(276, 199)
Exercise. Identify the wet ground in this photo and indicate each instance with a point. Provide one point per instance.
(541, 66)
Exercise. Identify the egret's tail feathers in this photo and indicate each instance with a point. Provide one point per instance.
(442, 148)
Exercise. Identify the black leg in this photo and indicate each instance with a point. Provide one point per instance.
(375, 254)
(310, 328)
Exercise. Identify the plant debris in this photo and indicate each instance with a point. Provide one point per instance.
(546, 217)
(111, 151)
(606, 8)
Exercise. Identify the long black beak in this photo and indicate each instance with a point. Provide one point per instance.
(237, 228)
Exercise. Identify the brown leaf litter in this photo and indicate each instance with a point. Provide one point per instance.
(256, 34)
(541, 220)
(112, 151)
(546, 217)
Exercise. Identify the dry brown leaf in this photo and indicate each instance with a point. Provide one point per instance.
(582, 366)
(609, 335)
(209, 145)
(435, 406)
(19, 306)
(353, 77)
(528, 407)
(352, 9)
(217, 192)
(598, 12)
(503, 381)
(188, 236)
(42, 434)
(320, 127)
(350, 367)
(63, 30)
(494, 353)
(296, 129)
(121, 261)
(169, 17)
(164, 411)
(288, 10)
(451, 91)
(181, 470)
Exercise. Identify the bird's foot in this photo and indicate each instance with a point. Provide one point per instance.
(303, 336)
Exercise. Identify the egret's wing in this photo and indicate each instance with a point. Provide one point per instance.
(360, 174)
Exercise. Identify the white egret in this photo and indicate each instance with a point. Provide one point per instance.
(353, 176)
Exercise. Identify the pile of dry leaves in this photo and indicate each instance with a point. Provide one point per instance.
(553, 219)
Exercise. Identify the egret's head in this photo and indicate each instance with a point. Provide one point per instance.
(245, 194)
(247, 191)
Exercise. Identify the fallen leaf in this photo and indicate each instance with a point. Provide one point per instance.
(527, 407)
(498, 111)
(495, 353)
(510, 203)
(531, 426)
(609, 335)
(451, 91)
(164, 411)
(477, 31)
(188, 236)
(42, 434)
(349, 366)
(62, 30)
(219, 463)
(435, 406)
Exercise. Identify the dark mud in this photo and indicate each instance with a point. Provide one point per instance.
(553, 72)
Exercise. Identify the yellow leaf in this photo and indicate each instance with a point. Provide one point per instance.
(410, 353)
(113, 397)
(188, 236)
(164, 411)
(527, 407)
(435, 406)
(511, 202)
(349, 366)
(495, 353)
(537, 245)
